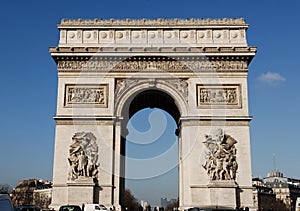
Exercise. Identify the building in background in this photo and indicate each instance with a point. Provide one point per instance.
(32, 192)
(263, 197)
(286, 189)
(275, 192)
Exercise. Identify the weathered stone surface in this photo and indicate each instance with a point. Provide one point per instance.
(195, 69)
(221, 161)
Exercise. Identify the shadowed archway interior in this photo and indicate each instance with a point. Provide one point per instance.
(154, 99)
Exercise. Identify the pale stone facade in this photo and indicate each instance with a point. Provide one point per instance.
(194, 69)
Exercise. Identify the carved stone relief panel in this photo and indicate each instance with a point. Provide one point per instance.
(155, 36)
(237, 36)
(171, 36)
(214, 96)
(122, 36)
(107, 36)
(221, 161)
(86, 95)
(74, 36)
(90, 36)
(220, 36)
(83, 156)
(139, 36)
(188, 36)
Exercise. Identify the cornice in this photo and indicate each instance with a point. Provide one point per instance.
(154, 50)
(154, 22)
(68, 117)
(216, 120)
(84, 120)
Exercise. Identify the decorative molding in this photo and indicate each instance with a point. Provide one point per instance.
(86, 95)
(202, 50)
(218, 96)
(84, 122)
(180, 85)
(136, 66)
(153, 22)
(83, 157)
(220, 123)
(220, 156)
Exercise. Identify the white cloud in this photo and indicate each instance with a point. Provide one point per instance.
(271, 78)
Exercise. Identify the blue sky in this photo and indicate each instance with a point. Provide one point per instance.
(28, 81)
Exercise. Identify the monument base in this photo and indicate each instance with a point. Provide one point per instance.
(81, 191)
(223, 193)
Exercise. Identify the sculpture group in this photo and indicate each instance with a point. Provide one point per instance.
(83, 156)
(221, 156)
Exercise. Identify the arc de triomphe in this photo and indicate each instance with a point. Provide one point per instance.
(195, 69)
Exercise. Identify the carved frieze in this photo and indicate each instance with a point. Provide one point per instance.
(136, 66)
(83, 156)
(209, 96)
(221, 163)
(86, 95)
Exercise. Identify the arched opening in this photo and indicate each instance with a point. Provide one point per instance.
(149, 144)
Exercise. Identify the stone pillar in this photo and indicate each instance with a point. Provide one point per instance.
(117, 166)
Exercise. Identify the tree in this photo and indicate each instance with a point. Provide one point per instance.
(5, 188)
(22, 195)
(42, 199)
(130, 202)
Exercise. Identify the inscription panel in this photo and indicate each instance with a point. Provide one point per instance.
(219, 96)
(86, 95)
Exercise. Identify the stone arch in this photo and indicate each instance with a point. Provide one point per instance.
(158, 58)
(154, 93)
(166, 87)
